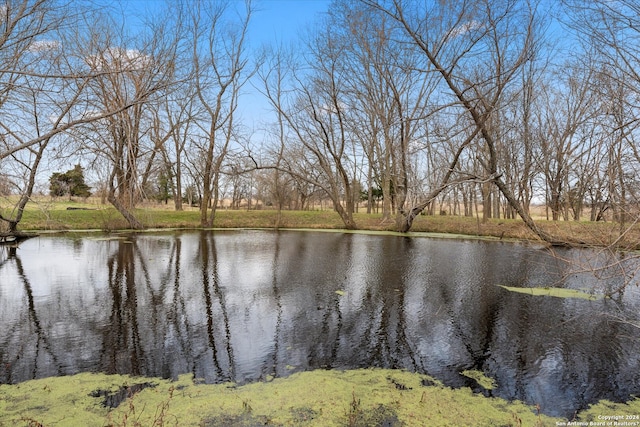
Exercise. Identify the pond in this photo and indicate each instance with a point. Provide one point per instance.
(250, 305)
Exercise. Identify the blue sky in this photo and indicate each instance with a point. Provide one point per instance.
(274, 20)
(282, 20)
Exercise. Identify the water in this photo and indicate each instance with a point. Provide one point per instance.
(251, 305)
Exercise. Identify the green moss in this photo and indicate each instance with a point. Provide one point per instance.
(319, 398)
(554, 292)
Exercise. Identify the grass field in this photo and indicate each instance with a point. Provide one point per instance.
(60, 215)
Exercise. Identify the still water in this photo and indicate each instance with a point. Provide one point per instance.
(251, 305)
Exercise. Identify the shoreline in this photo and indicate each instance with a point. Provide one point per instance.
(595, 234)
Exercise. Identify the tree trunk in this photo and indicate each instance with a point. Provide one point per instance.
(131, 219)
(215, 198)
(206, 197)
(346, 216)
(523, 214)
(486, 202)
(386, 198)
(177, 196)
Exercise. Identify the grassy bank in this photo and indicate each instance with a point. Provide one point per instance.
(55, 215)
(362, 397)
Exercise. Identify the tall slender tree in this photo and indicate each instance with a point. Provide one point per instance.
(218, 31)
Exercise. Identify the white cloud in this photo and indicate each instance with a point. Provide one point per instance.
(465, 28)
(115, 58)
(44, 45)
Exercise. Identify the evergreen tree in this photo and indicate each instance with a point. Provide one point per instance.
(71, 182)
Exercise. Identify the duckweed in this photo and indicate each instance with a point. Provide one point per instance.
(361, 397)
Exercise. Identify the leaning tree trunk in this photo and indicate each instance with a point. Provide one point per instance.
(24, 199)
(529, 222)
(134, 223)
(347, 217)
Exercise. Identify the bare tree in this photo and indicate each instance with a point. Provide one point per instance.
(610, 32)
(478, 48)
(315, 113)
(569, 106)
(273, 74)
(179, 115)
(221, 68)
(130, 78)
(389, 88)
(520, 150)
(42, 90)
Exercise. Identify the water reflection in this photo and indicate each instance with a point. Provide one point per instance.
(253, 305)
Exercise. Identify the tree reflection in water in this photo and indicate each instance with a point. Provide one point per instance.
(25, 336)
(122, 350)
(248, 306)
(214, 298)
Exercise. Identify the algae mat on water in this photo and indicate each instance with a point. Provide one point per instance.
(554, 292)
(365, 397)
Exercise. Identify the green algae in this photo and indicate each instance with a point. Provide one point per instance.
(427, 234)
(318, 398)
(555, 292)
(484, 381)
(362, 397)
(619, 412)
